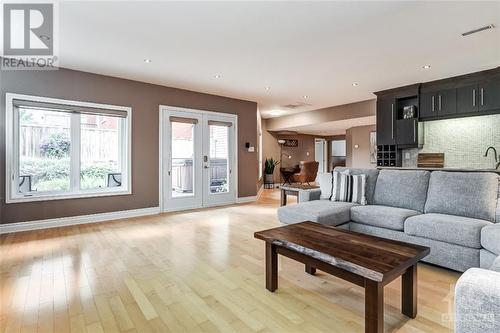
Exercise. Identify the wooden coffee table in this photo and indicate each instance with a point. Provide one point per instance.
(367, 261)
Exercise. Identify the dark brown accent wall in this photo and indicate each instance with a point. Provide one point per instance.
(144, 99)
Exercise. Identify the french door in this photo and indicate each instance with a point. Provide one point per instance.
(198, 159)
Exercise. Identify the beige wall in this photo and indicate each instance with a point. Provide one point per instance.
(359, 157)
(144, 99)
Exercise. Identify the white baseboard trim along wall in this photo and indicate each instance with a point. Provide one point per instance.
(74, 220)
(250, 199)
(93, 218)
(246, 199)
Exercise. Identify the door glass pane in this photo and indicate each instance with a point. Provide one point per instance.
(182, 159)
(100, 152)
(219, 157)
(44, 150)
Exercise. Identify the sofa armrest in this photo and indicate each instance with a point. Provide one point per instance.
(477, 302)
(309, 195)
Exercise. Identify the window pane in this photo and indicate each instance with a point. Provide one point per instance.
(44, 150)
(219, 159)
(182, 159)
(100, 152)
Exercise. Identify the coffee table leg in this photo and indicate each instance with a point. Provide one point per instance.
(310, 270)
(283, 198)
(409, 292)
(374, 307)
(271, 267)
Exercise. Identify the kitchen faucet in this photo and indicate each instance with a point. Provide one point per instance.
(496, 156)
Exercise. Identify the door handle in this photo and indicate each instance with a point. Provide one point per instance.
(414, 131)
(392, 121)
(482, 96)
(433, 104)
(473, 97)
(439, 102)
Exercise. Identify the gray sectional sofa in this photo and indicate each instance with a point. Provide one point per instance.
(456, 214)
(453, 213)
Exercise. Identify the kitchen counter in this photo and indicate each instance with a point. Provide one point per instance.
(442, 169)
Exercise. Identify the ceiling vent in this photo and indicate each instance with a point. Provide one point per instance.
(486, 27)
(296, 105)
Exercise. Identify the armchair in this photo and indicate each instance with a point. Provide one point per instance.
(308, 172)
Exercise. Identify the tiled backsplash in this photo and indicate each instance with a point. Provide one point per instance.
(463, 142)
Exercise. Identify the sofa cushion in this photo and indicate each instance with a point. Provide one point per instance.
(496, 265)
(371, 179)
(402, 188)
(321, 211)
(382, 216)
(470, 194)
(447, 228)
(490, 238)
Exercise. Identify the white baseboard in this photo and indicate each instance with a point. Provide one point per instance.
(246, 199)
(251, 198)
(74, 220)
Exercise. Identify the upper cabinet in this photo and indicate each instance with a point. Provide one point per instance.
(467, 99)
(436, 103)
(480, 97)
(386, 117)
(397, 116)
(462, 96)
(428, 108)
(489, 94)
(399, 110)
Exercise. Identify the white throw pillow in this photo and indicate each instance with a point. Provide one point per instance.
(325, 181)
(349, 188)
(325, 185)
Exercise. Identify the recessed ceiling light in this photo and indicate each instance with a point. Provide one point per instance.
(217, 76)
(44, 37)
(147, 60)
(355, 84)
(426, 66)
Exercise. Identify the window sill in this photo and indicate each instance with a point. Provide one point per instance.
(79, 195)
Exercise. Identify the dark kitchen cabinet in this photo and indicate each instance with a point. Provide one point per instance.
(467, 99)
(489, 95)
(386, 117)
(407, 130)
(438, 103)
(446, 102)
(428, 108)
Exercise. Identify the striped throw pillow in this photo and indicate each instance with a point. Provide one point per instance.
(349, 188)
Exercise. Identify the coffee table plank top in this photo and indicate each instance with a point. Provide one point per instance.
(372, 257)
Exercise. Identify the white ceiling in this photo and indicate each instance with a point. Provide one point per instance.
(316, 49)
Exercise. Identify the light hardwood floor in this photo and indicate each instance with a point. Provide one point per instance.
(196, 271)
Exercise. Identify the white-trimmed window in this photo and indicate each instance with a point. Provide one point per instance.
(59, 149)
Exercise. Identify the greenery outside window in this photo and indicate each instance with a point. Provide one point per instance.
(58, 149)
